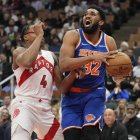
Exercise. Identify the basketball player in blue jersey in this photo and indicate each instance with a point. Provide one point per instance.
(83, 106)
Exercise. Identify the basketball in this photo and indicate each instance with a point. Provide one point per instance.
(120, 65)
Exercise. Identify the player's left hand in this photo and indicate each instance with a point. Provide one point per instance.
(38, 28)
(80, 72)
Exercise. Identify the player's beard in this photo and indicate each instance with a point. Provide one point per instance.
(90, 30)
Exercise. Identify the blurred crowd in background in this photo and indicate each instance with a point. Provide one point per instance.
(61, 16)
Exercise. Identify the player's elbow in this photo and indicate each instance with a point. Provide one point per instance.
(26, 64)
(23, 61)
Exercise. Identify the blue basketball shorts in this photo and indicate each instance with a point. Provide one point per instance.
(83, 109)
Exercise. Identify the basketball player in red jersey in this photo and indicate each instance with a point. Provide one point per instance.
(35, 70)
(83, 106)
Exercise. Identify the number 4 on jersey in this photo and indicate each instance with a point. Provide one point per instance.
(43, 81)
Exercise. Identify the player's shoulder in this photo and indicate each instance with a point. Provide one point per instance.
(109, 38)
(72, 33)
(110, 41)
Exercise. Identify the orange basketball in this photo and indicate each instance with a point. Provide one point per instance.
(120, 65)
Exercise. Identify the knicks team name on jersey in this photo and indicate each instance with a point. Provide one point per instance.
(92, 67)
(40, 63)
(85, 52)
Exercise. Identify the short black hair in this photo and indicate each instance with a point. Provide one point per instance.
(24, 30)
(100, 10)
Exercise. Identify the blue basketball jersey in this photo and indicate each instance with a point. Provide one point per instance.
(95, 70)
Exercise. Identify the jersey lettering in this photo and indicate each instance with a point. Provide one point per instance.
(95, 69)
(89, 69)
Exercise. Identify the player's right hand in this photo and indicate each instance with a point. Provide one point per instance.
(104, 56)
(38, 28)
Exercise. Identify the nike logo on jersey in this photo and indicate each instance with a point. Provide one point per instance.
(84, 44)
(102, 46)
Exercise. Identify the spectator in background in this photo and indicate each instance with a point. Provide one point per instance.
(15, 4)
(55, 45)
(138, 107)
(6, 103)
(115, 9)
(53, 5)
(136, 88)
(27, 8)
(130, 53)
(5, 19)
(131, 122)
(31, 18)
(124, 46)
(121, 110)
(22, 21)
(70, 9)
(61, 19)
(6, 68)
(62, 32)
(55, 104)
(37, 5)
(79, 7)
(3, 37)
(113, 129)
(11, 30)
(136, 69)
(72, 22)
(119, 93)
(7, 50)
(5, 130)
(128, 83)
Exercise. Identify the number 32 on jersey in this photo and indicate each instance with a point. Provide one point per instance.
(95, 69)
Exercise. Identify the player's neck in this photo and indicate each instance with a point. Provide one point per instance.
(93, 37)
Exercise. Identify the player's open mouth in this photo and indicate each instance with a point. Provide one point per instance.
(87, 23)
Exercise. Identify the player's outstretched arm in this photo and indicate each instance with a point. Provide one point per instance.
(26, 57)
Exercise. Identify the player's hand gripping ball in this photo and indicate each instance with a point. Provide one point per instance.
(120, 65)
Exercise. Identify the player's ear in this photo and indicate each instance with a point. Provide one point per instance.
(101, 22)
